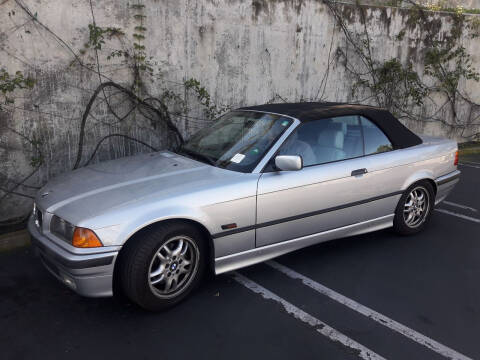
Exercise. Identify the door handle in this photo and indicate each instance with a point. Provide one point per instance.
(359, 172)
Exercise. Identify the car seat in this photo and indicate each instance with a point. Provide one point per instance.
(330, 144)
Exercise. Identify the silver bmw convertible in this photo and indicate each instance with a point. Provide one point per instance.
(259, 182)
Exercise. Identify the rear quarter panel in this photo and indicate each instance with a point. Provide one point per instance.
(398, 169)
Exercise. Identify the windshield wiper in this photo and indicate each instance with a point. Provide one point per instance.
(197, 156)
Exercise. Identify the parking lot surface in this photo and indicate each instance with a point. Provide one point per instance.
(372, 296)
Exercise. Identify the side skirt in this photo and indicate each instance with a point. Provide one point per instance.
(264, 253)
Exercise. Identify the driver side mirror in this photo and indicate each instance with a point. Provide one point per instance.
(289, 162)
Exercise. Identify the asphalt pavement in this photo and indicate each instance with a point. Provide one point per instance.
(372, 296)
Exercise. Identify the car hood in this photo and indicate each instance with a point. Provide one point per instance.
(94, 189)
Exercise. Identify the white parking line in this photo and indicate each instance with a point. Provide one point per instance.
(372, 314)
(318, 325)
(470, 165)
(458, 215)
(471, 162)
(460, 206)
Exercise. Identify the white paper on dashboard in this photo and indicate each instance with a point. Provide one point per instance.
(237, 158)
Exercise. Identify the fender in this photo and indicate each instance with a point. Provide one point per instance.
(128, 226)
(417, 176)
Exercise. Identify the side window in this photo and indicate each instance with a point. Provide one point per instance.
(375, 140)
(325, 140)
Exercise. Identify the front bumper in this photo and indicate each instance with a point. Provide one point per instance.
(88, 274)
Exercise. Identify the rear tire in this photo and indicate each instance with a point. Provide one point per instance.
(163, 265)
(414, 209)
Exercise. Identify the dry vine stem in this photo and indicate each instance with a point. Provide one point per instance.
(369, 75)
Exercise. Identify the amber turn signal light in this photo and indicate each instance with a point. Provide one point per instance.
(85, 238)
(455, 162)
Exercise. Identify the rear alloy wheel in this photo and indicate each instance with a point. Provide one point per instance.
(161, 266)
(414, 208)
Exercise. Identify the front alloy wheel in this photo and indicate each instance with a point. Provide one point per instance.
(173, 267)
(160, 266)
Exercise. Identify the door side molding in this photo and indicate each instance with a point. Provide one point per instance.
(260, 254)
(304, 215)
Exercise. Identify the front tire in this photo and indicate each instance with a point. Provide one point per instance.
(163, 265)
(414, 208)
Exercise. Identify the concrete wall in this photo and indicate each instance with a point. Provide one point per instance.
(466, 4)
(243, 52)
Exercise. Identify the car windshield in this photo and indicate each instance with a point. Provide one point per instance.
(236, 141)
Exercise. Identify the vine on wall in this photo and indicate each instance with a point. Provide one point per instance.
(402, 87)
(106, 46)
(405, 90)
(11, 82)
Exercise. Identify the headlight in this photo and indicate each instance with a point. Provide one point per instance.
(76, 236)
(37, 217)
(63, 229)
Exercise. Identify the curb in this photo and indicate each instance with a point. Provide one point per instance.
(14, 240)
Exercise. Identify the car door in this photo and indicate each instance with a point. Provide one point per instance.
(333, 189)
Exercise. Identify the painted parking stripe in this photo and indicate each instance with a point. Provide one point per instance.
(301, 315)
(458, 215)
(371, 314)
(460, 206)
(470, 165)
(471, 162)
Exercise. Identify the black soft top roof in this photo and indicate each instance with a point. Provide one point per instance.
(399, 135)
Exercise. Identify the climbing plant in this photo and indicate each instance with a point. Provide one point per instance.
(160, 109)
(142, 96)
(11, 82)
(164, 109)
(406, 89)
